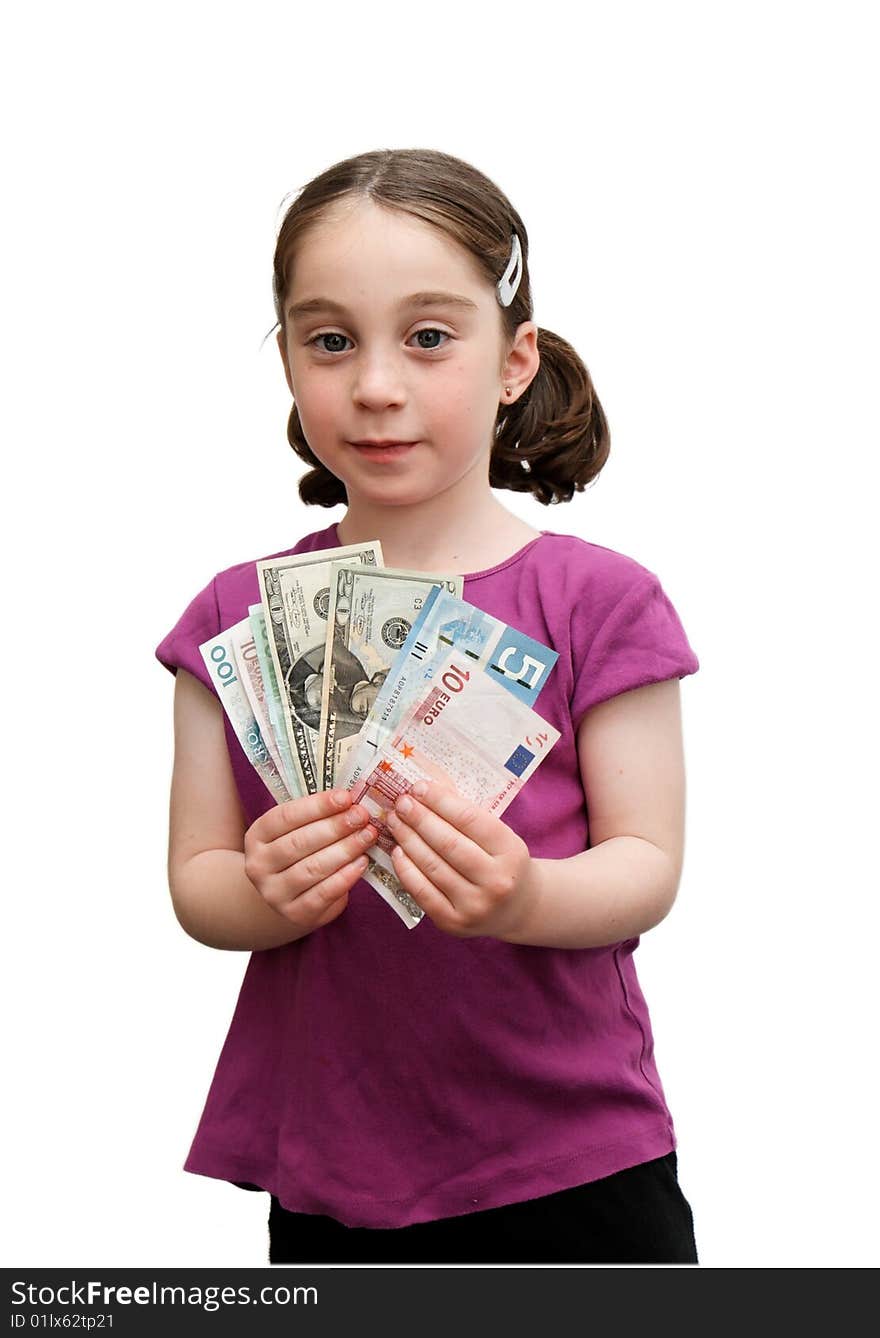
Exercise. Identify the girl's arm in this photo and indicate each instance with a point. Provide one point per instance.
(631, 758)
(256, 887)
(213, 899)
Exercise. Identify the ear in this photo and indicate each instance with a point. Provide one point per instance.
(523, 360)
(282, 349)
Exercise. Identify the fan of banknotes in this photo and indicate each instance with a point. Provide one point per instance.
(355, 675)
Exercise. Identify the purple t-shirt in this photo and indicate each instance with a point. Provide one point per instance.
(384, 1075)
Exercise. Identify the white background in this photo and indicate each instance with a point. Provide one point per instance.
(697, 181)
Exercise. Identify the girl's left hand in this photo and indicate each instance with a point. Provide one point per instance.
(467, 869)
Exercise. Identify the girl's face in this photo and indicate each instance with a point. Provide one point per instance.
(392, 360)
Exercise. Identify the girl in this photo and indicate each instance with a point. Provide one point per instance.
(481, 1088)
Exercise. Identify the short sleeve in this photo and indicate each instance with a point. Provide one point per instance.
(198, 623)
(640, 641)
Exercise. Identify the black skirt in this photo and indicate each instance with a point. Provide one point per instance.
(637, 1216)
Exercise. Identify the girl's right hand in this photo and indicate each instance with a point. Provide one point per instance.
(304, 856)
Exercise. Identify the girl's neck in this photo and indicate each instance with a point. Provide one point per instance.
(475, 541)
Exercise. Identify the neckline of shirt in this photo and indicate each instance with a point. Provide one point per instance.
(475, 575)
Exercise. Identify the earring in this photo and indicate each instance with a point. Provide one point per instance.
(523, 463)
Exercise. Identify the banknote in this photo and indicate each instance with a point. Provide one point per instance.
(466, 731)
(519, 662)
(272, 696)
(372, 612)
(295, 594)
(248, 665)
(219, 657)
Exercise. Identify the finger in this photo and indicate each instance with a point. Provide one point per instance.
(433, 902)
(453, 827)
(324, 894)
(295, 812)
(292, 847)
(321, 903)
(433, 870)
(479, 824)
(314, 870)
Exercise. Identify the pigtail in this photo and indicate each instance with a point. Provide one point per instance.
(317, 487)
(554, 439)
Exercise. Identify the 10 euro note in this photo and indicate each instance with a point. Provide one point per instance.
(517, 662)
(219, 656)
(372, 612)
(466, 731)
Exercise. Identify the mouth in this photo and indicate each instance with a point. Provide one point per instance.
(383, 450)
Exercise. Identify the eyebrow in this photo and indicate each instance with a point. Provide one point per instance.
(427, 299)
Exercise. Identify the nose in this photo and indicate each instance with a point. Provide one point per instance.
(378, 380)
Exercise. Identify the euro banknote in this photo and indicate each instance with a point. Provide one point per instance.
(466, 731)
(518, 662)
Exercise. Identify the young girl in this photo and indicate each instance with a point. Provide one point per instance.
(480, 1088)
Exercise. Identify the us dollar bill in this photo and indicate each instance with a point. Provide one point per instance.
(372, 612)
(295, 594)
(219, 656)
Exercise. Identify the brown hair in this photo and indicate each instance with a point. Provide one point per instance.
(553, 440)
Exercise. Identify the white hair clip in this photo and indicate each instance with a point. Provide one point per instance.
(507, 285)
